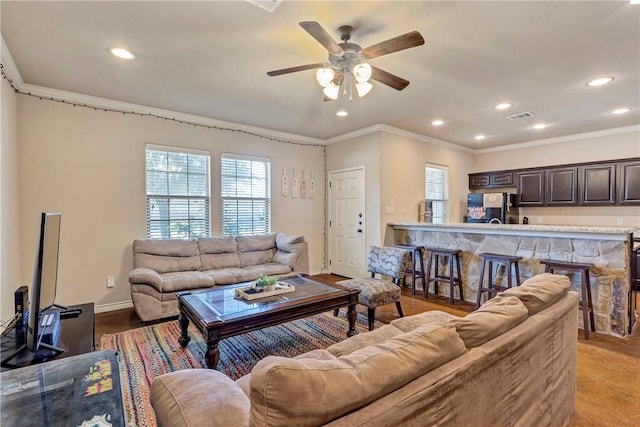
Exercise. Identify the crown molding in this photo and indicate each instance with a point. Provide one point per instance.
(9, 64)
(559, 139)
(126, 107)
(399, 132)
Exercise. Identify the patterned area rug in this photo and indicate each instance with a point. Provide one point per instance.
(148, 352)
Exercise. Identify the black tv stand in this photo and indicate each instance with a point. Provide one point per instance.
(76, 336)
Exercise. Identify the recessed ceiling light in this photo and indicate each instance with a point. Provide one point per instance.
(503, 106)
(342, 113)
(600, 81)
(437, 122)
(622, 110)
(540, 126)
(121, 53)
(479, 137)
(634, 1)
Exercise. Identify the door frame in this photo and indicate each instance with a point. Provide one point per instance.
(330, 234)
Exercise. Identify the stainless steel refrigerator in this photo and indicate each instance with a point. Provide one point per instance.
(496, 208)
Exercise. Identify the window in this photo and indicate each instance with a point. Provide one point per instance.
(177, 193)
(246, 195)
(437, 191)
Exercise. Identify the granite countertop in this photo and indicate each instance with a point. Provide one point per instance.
(523, 227)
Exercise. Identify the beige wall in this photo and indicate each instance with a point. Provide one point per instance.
(403, 176)
(10, 263)
(394, 167)
(89, 165)
(362, 151)
(604, 147)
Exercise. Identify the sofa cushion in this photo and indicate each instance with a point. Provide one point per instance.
(258, 242)
(311, 392)
(409, 323)
(256, 257)
(268, 269)
(362, 340)
(230, 276)
(493, 318)
(244, 382)
(540, 291)
(165, 256)
(178, 398)
(184, 281)
(218, 252)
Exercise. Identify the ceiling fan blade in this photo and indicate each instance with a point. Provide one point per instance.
(395, 44)
(295, 69)
(317, 32)
(388, 79)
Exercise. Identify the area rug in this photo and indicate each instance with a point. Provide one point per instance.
(148, 352)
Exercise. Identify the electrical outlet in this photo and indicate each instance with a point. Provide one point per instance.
(111, 281)
(619, 221)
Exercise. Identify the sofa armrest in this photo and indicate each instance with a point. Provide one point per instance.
(293, 251)
(146, 276)
(198, 397)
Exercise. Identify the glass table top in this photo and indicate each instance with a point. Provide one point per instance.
(224, 302)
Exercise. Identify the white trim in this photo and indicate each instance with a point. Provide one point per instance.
(565, 138)
(156, 147)
(399, 132)
(112, 306)
(97, 102)
(10, 67)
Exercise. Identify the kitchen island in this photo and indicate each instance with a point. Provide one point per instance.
(609, 249)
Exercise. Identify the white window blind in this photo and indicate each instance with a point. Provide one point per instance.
(177, 193)
(437, 191)
(246, 195)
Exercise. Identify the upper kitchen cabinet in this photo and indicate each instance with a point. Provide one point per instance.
(597, 184)
(491, 180)
(629, 183)
(562, 186)
(530, 188)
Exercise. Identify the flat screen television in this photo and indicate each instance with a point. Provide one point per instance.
(43, 287)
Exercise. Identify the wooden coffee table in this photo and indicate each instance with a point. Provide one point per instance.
(217, 314)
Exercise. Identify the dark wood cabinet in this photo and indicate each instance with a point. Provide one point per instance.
(629, 183)
(561, 186)
(605, 183)
(479, 180)
(530, 188)
(502, 179)
(597, 184)
(491, 180)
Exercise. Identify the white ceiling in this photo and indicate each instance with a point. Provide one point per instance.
(210, 58)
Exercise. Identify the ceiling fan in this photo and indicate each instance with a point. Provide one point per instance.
(348, 62)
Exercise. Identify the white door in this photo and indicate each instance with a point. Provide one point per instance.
(347, 222)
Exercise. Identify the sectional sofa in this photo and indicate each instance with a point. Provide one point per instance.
(164, 267)
(512, 362)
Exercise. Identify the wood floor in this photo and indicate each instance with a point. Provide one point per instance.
(608, 367)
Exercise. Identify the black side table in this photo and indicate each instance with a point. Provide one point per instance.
(76, 337)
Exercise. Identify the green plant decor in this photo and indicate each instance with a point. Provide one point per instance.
(264, 280)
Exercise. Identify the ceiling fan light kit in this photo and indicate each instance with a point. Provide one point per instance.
(348, 62)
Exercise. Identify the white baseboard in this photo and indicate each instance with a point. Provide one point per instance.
(103, 308)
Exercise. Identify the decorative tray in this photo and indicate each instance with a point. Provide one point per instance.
(254, 292)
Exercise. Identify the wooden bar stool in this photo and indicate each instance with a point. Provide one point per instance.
(416, 270)
(582, 268)
(453, 278)
(492, 288)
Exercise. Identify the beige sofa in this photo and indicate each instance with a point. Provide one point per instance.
(164, 267)
(512, 362)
